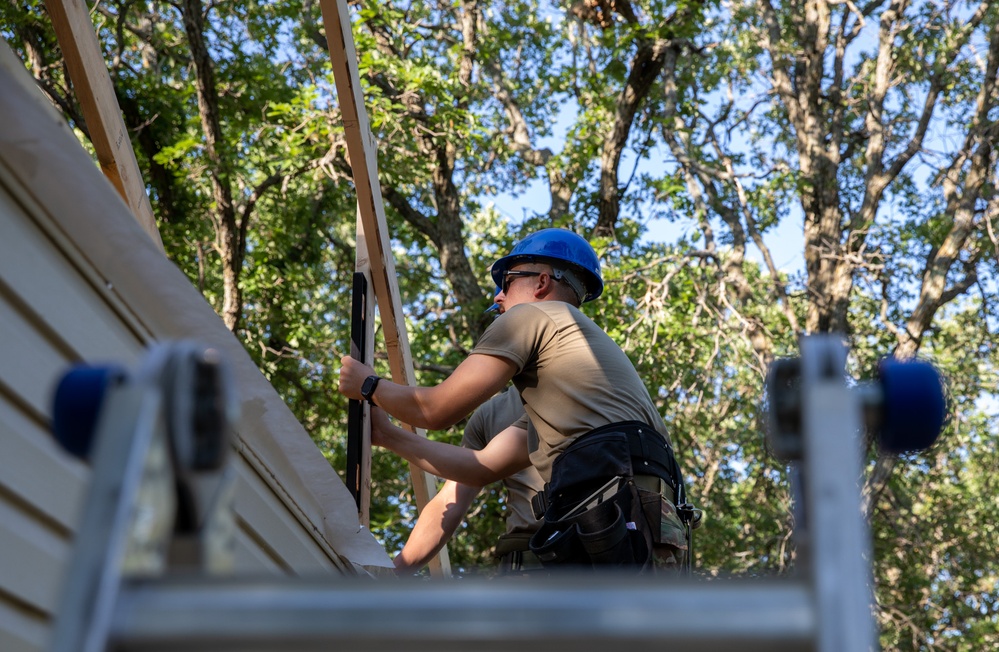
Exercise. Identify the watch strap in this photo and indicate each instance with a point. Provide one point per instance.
(369, 387)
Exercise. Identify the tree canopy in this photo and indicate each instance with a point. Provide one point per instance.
(867, 129)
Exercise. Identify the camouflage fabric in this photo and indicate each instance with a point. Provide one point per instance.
(668, 531)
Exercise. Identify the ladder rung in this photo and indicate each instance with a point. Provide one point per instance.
(595, 613)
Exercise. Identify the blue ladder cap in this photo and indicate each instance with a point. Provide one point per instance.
(913, 405)
(77, 403)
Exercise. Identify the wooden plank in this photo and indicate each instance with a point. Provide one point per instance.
(46, 172)
(95, 91)
(374, 234)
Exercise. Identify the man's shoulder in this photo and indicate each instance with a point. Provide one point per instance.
(555, 310)
(516, 318)
(522, 309)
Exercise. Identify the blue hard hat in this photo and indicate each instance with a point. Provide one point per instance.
(559, 245)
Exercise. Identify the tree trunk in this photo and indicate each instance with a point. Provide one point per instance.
(230, 245)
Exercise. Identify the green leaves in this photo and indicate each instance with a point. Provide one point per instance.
(746, 134)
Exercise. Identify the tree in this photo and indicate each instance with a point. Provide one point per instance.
(868, 127)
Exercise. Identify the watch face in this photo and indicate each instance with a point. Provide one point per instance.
(369, 386)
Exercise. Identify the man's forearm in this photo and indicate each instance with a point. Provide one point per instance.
(443, 460)
(476, 379)
(409, 404)
(436, 525)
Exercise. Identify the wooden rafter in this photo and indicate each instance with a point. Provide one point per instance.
(95, 92)
(373, 233)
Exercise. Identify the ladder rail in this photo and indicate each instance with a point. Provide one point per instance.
(840, 540)
(588, 612)
(131, 425)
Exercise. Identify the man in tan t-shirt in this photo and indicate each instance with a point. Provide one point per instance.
(442, 515)
(572, 377)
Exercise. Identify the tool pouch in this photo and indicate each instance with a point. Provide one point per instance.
(619, 527)
(623, 449)
(605, 535)
(615, 544)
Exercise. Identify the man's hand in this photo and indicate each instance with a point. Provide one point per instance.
(352, 375)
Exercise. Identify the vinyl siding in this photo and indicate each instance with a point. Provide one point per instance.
(67, 297)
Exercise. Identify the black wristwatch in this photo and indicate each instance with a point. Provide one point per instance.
(368, 388)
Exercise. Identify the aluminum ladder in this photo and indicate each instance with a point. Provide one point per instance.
(171, 590)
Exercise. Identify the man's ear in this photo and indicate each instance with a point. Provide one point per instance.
(545, 285)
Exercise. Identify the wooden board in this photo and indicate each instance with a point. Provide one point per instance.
(95, 92)
(374, 234)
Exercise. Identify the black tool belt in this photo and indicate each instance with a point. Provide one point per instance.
(519, 561)
(626, 449)
(594, 514)
(513, 554)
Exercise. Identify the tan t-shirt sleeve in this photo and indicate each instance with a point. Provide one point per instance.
(517, 335)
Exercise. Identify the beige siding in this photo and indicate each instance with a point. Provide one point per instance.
(57, 297)
(21, 630)
(35, 471)
(263, 518)
(80, 281)
(38, 554)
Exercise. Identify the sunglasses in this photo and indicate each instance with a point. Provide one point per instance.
(510, 275)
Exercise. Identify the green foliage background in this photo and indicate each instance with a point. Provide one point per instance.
(471, 101)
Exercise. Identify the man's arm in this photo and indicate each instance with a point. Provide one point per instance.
(436, 525)
(473, 382)
(506, 454)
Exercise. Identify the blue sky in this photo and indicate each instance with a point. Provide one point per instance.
(786, 241)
